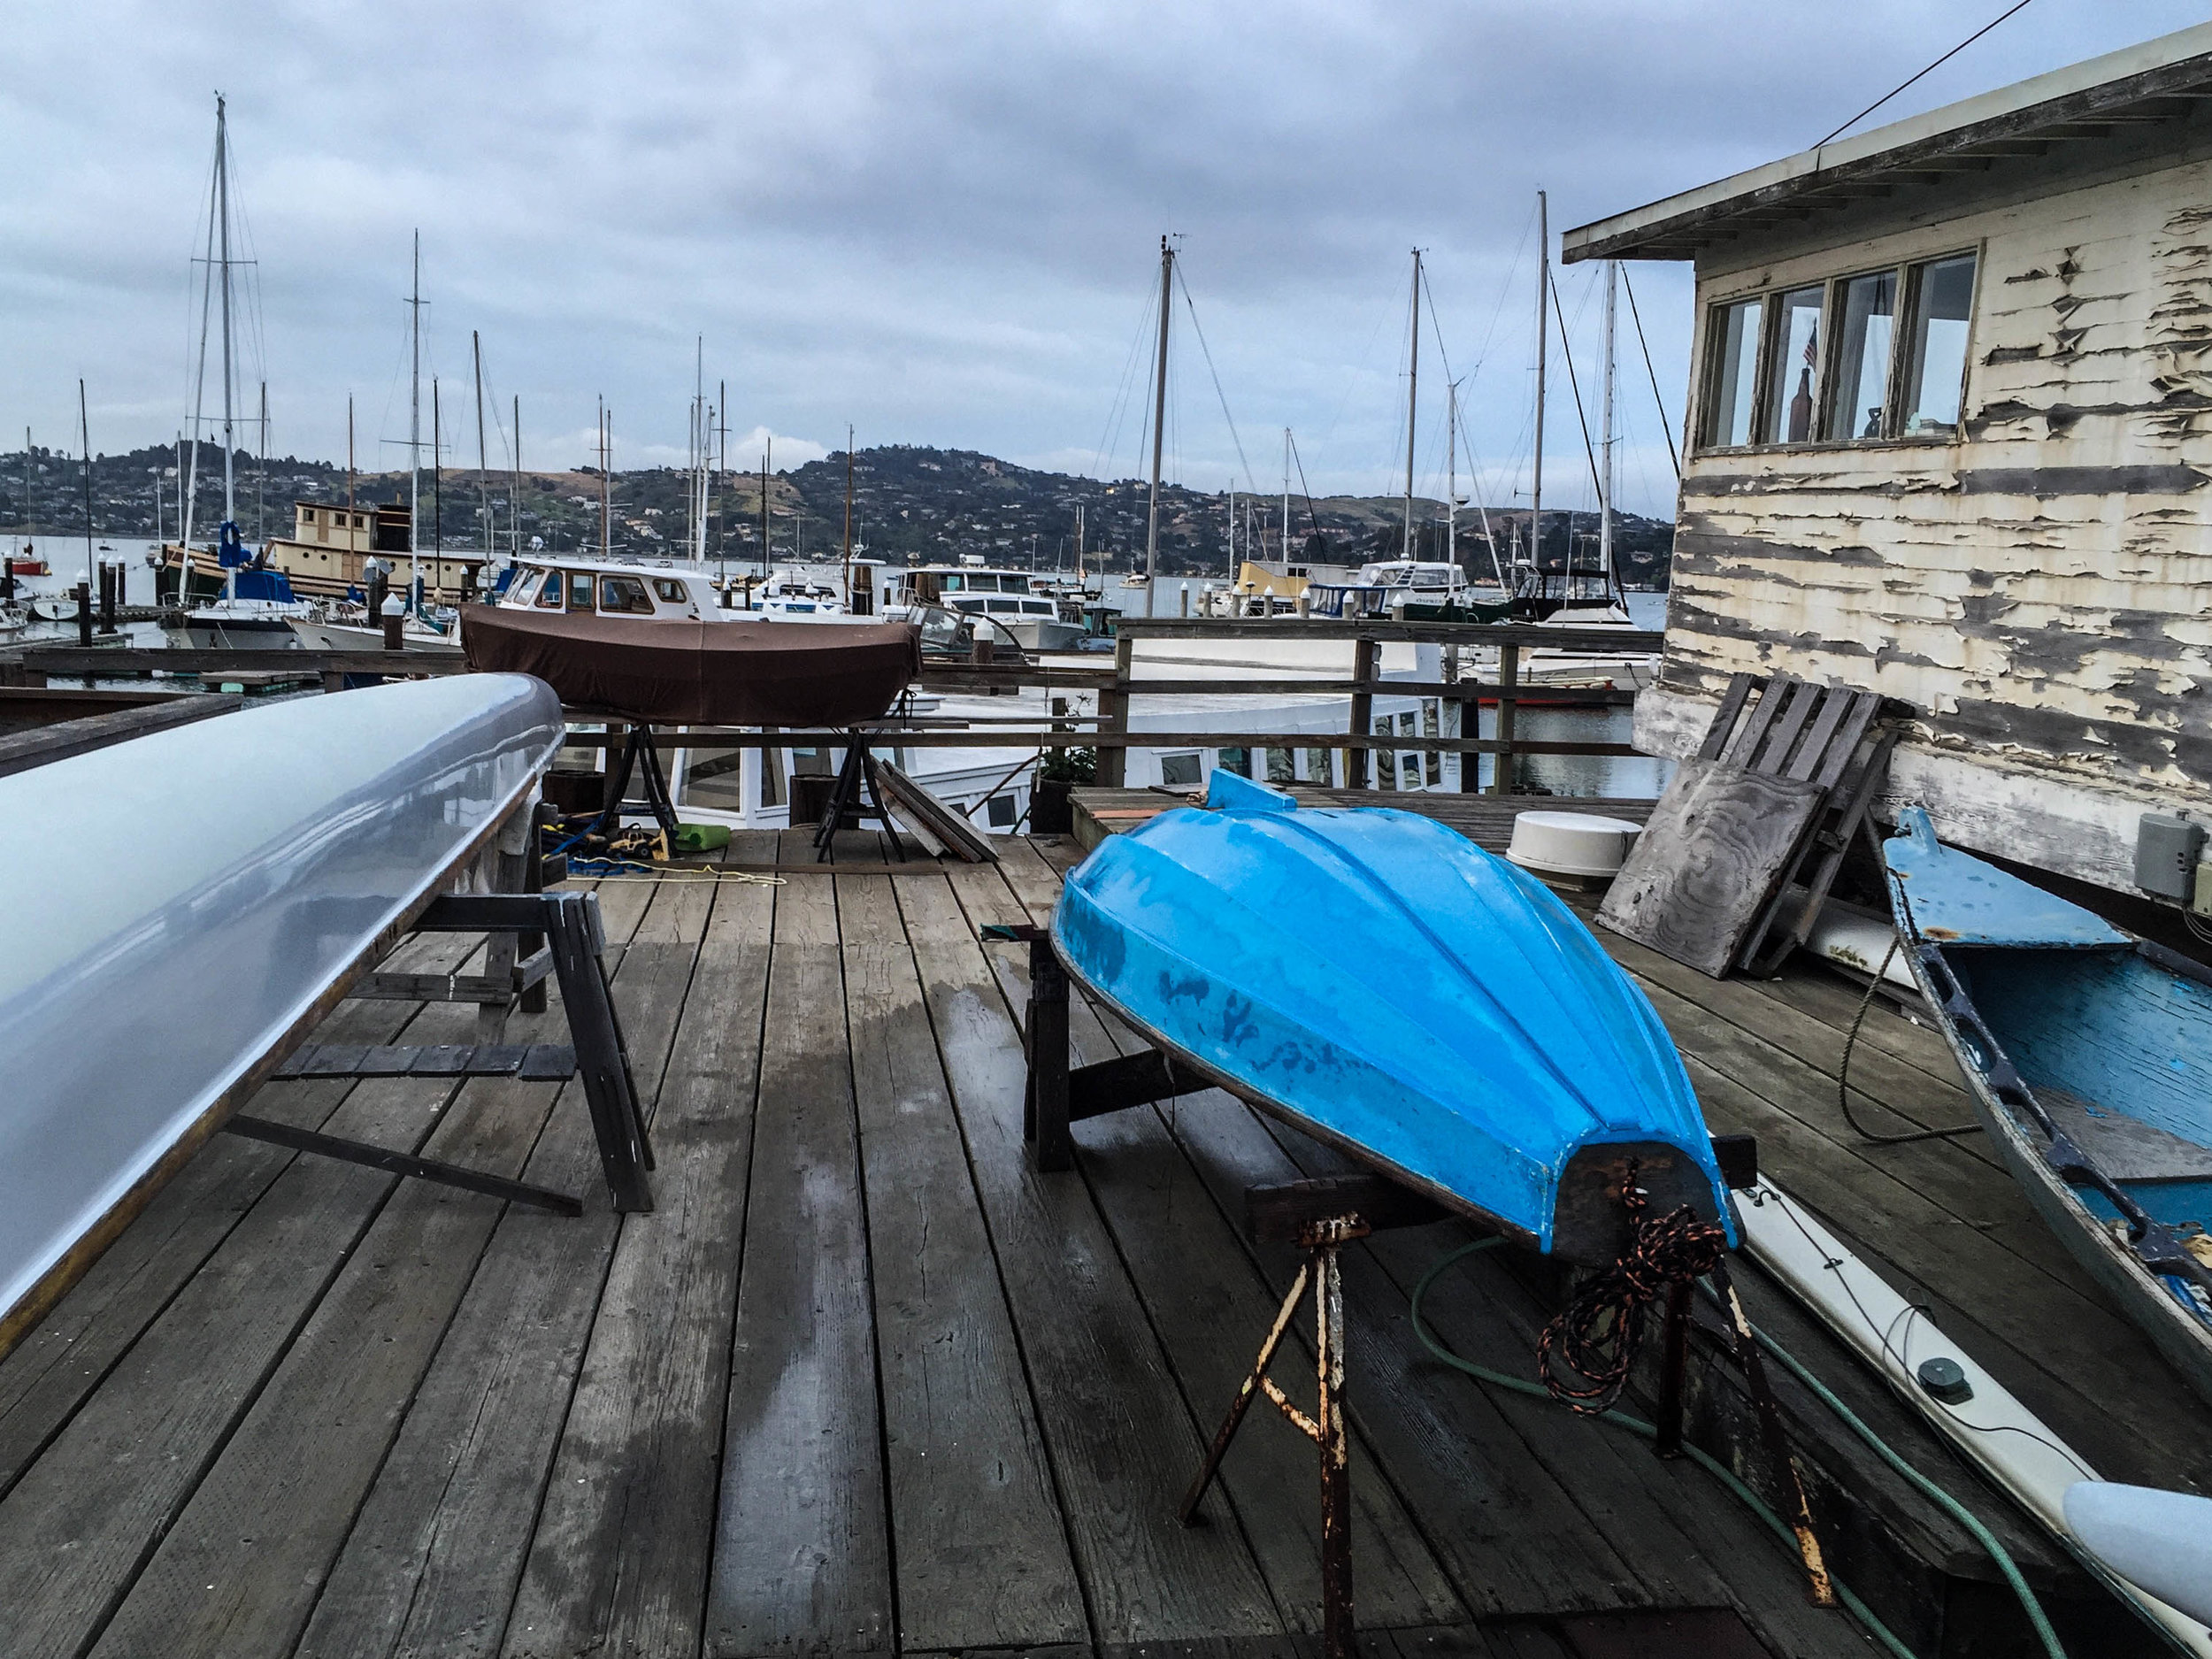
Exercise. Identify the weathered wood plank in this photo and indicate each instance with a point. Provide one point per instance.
(1210, 1307)
(618, 1561)
(1121, 1441)
(982, 1550)
(287, 1486)
(801, 1553)
(1716, 848)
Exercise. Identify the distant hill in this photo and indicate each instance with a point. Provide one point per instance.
(911, 505)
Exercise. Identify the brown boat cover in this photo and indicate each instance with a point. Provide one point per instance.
(701, 673)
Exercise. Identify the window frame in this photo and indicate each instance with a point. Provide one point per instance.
(1909, 273)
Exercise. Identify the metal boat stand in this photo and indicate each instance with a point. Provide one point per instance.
(532, 933)
(856, 798)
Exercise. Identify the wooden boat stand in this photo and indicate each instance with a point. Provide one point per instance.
(1321, 1216)
(531, 933)
(856, 798)
(638, 752)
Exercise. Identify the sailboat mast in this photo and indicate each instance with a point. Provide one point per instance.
(1536, 478)
(414, 421)
(483, 474)
(1078, 541)
(767, 449)
(606, 482)
(1605, 445)
(1285, 548)
(848, 515)
(1413, 389)
(349, 515)
(721, 465)
(222, 218)
(514, 506)
(437, 484)
(1159, 420)
(1451, 472)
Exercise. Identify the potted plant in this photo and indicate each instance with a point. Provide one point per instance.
(1061, 770)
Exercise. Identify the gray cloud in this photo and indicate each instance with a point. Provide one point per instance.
(937, 223)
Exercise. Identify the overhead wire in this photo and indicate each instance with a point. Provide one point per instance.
(1939, 63)
(1206, 351)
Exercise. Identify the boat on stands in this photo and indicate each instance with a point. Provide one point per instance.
(1454, 1025)
(2088, 1052)
(314, 827)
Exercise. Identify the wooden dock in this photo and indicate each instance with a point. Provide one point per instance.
(864, 1384)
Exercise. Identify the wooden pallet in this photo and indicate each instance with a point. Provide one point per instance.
(1740, 855)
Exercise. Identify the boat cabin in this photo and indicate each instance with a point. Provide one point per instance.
(977, 588)
(609, 587)
(1376, 590)
(365, 527)
(1946, 439)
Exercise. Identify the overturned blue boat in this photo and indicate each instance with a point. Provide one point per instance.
(1385, 985)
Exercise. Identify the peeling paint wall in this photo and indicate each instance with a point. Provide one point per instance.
(2039, 587)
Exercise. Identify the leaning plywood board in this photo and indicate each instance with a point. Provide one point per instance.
(932, 819)
(1700, 874)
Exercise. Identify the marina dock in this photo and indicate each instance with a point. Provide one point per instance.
(865, 1383)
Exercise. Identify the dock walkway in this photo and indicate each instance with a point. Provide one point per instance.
(863, 1383)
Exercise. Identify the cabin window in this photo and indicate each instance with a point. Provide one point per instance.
(1866, 325)
(1318, 767)
(1236, 760)
(1179, 772)
(1003, 606)
(624, 596)
(1935, 376)
(1793, 382)
(998, 811)
(671, 591)
(1280, 767)
(579, 590)
(526, 590)
(551, 599)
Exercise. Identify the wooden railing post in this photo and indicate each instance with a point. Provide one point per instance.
(1366, 654)
(1508, 676)
(1113, 716)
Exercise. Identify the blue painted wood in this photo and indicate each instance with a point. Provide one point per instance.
(1956, 899)
(1378, 977)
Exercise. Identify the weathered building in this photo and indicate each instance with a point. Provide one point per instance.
(1948, 436)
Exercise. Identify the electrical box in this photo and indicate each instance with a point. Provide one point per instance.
(2166, 849)
(2201, 904)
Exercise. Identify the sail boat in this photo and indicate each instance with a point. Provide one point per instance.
(1146, 578)
(255, 607)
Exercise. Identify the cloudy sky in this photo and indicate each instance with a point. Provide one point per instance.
(937, 222)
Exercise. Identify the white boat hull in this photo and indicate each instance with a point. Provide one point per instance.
(142, 998)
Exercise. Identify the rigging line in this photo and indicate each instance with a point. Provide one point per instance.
(1939, 63)
(1666, 427)
(1250, 482)
(1587, 447)
(1115, 412)
(1313, 522)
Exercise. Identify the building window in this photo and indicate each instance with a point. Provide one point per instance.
(1866, 327)
(1793, 381)
(1318, 768)
(1943, 297)
(1733, 389)
(1179, 772)
(1280, 767)
(307, 515)
(1890, 362)
(998, 811)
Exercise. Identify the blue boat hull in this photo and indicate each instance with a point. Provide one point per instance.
(1386, 985)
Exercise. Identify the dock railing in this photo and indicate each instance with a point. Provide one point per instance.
(1109, 731)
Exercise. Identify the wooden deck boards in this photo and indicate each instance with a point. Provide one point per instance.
(862, 1382)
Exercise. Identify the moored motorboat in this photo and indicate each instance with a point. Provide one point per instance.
(138, 997)
(1384, 984)
(2089, 1056)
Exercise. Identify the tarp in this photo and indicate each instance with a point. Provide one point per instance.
(701, 673)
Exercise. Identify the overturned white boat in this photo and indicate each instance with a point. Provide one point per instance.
(142, 998)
